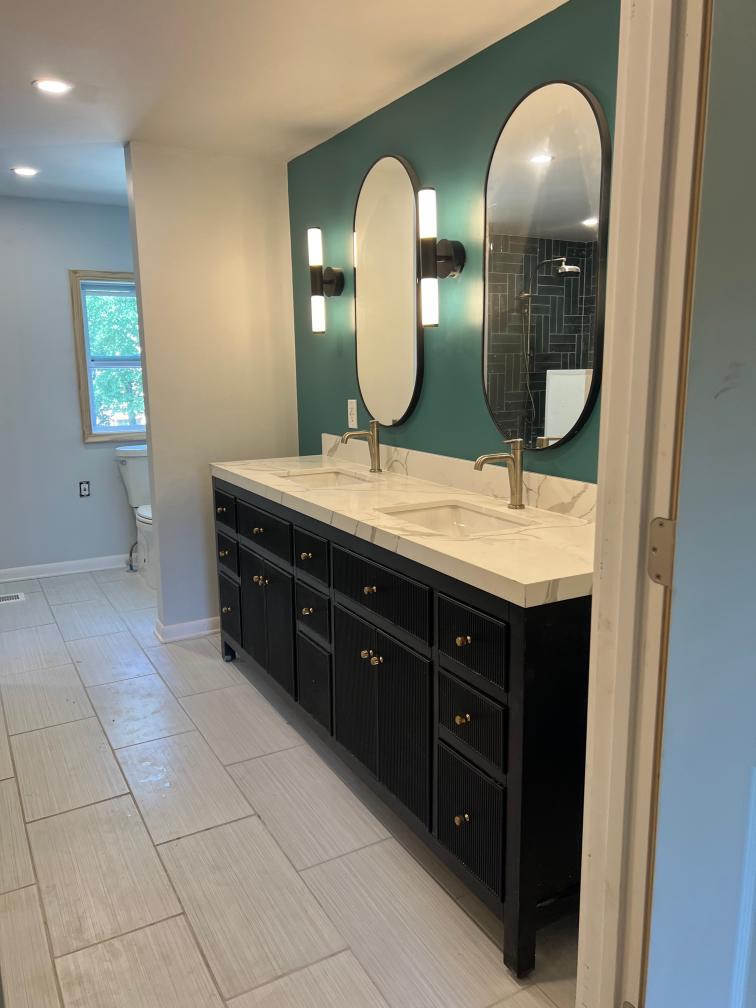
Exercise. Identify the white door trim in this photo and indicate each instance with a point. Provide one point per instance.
(662, 65)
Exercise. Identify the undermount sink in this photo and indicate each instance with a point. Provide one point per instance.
(315, 479)
(460, 521)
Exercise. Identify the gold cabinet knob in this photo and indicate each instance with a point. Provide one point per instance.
(256, 579)
(257, 530)
(365, 653)
(308, 611)
(220, 510)
(305, 556)
(376, 660)
(460, 820)
(369, 590)
(461, 719)
(463, 640)
(223, 553)
(264, 581)
(226, 610)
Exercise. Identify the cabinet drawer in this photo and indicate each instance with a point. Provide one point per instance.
(230, 617)
(471, 818)
(473, 718)
(314, 680)
(311, 555)
(479, 643)
(312, 611)
(398, 599)
(264, 530)
(225, 510)
(228, 555)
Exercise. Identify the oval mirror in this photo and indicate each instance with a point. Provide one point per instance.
(546, 207)
(387, 334)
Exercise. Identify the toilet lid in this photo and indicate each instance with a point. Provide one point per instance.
(144, 514)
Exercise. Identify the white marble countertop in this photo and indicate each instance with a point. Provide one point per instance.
(548, 561)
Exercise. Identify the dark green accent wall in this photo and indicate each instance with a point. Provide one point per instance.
(446, 129)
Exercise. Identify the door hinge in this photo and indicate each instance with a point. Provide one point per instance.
(661, 550)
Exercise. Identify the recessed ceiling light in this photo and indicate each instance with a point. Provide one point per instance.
(541, 158)
(590, 221)
(25, 171)
(52, 86)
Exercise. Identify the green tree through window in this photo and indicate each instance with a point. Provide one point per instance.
(112, 355)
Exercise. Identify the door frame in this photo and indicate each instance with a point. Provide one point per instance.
(661, 98)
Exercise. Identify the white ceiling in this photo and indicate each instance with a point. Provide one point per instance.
(254, 76)
(549, 200)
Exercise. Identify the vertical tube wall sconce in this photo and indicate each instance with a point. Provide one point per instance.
(324, 281)
(439, 259)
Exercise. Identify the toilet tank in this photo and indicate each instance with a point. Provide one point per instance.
(133, 465)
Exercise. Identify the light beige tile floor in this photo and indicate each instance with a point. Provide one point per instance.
(29, 612)
(279, 879)
(43, 698)
(70, 588)
(32, 648)
(192, 667)
(127, 594)
(106, 659)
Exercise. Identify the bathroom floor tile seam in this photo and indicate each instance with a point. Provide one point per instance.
(254, 814)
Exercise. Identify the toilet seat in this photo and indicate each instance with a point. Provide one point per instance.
(144, 514)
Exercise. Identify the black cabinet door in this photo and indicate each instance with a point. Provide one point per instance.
(403, 682)
(254, 634)
(279, 621)
(354, 685)
(229, 607)
(314, 680)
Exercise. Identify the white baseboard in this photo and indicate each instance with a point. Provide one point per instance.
(65, 567)
(186, 631)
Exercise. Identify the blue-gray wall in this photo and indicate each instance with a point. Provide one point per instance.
(703, 947)
(42, 454)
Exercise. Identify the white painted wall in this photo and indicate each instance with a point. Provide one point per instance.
(42, 454)
(211, 236)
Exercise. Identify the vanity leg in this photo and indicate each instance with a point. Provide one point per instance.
(228, 652)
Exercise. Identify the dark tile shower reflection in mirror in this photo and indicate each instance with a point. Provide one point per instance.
(561, 311)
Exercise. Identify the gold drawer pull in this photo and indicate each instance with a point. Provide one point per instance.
(376, 660)
(226, 610)
(461, 719)
(220, 510)
(369, 590)
(365, 653)
(463, 641)
(223, 553)
(257, 579)
(257, 530)
(305, 556)
(460, 820)
(308, 611)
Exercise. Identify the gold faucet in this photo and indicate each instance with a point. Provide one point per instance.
(374, 444)
(513, 461)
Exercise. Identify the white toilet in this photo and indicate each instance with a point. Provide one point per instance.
(134, 468)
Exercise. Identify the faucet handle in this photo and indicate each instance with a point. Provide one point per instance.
(515, 442)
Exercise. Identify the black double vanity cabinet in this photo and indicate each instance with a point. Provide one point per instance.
(466, 713)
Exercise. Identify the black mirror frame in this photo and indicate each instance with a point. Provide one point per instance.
(419, 345)
(601, 242)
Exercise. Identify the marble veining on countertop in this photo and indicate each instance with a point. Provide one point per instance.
(548, 560)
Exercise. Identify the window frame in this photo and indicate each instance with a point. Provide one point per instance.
(76, 277)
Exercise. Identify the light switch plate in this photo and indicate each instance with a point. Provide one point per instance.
(352, 413)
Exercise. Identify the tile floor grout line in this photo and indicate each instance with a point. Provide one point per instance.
(275, 752)
(58, 724)
(336, 857)
(78, 808)
(205, 829)
(122, 934)
(33, 861)
(293, 972)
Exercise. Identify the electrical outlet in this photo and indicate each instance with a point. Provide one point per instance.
(84, 488)
(352, 413)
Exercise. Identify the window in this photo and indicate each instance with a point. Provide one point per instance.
(109, 355)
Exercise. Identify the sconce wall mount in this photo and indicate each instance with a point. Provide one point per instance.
(440, 258)
(325, 281)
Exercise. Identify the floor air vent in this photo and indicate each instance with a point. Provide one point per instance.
(15, 597)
